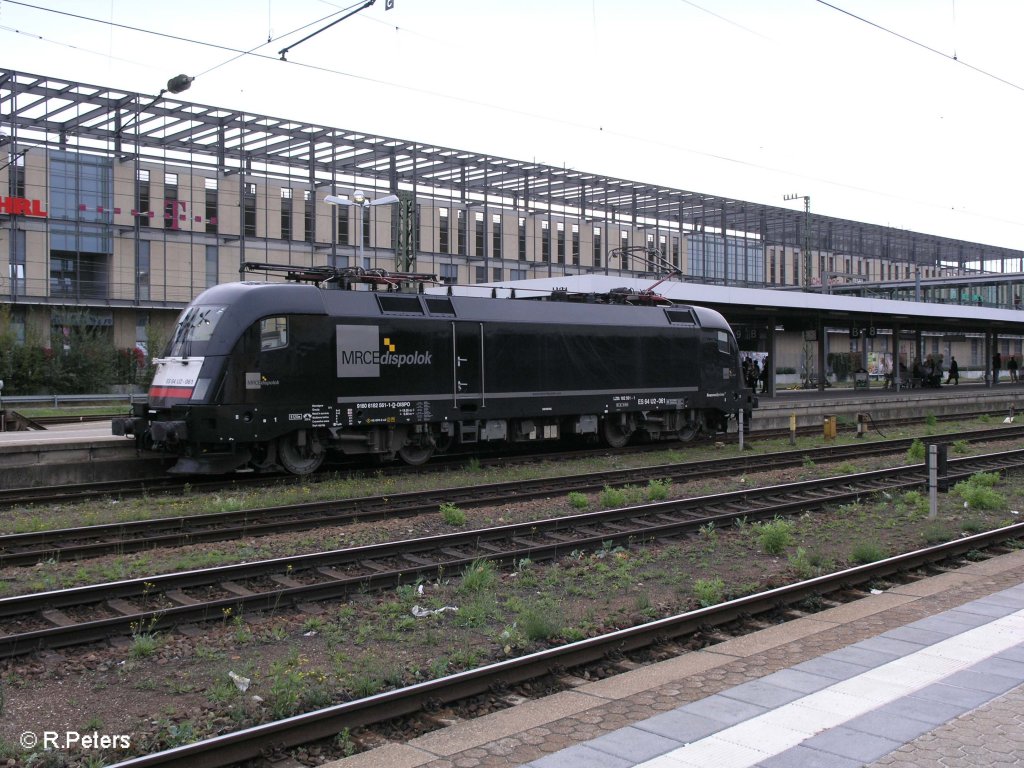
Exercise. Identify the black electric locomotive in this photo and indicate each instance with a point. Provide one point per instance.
(275, 374)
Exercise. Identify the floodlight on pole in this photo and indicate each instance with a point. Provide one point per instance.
(361, 201)
(807, 236)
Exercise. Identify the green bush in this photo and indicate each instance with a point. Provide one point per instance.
(709, 591)
(977, 491)
(480, 576)
(775, 536)
(578, 500)
(807, 565)
(657, 490)
(452, 514)
(916, 451)
(78, 358)
(612, 498)
(868, 552)
(936, 533)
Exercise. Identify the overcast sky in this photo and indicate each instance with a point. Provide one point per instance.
(910, 116)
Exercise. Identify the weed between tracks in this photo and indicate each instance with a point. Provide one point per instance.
(169, 688)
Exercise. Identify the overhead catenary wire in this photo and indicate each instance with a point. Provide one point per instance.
(951, 57)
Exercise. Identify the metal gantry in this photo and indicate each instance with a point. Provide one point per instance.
(41, 111)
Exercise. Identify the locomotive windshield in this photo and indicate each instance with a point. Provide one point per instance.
(195, 325)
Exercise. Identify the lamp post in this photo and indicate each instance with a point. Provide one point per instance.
(362, 202)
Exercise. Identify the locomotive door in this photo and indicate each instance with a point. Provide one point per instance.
(468, 365)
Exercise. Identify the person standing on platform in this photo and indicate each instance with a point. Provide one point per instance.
(954, 371)
(1011, 366)
(997, 363)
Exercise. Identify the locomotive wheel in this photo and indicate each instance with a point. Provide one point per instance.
(415, 454)
(300, 452)
(687, 433)
(614, 434)
(418, 450)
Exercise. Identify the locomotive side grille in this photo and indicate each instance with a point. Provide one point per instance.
(406, 305)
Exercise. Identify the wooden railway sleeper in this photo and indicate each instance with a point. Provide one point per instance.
(330, 573)
(236, 589)
(58, 618)
(179, 597)
(122, 606)
(484, 545)
(417, 560)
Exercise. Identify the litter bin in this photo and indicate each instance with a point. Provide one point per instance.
(860, 379)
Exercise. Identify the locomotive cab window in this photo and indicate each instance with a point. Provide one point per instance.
(723, 342)
(273, 333)
(195, 327)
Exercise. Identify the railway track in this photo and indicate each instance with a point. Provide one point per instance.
(271, 738)
(177, 484)
(90, 613)
(120, 538)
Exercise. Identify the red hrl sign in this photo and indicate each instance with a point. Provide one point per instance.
(16, 206)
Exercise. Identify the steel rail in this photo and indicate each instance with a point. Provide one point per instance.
(232, 748)
(337, 573)
(172, 484)
(132, 536)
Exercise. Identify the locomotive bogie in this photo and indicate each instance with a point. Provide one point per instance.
(278, 375)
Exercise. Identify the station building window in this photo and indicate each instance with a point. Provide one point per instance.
(478, 234)
(18, 175)
(249, 210)
(170, 201)
(286, 213)
(142, 332)
(211, 205)
(142, 275)
(142, 210)
(18, 324)
(212, 266)
(443, 231)
(449, 273)
(496, 235)
(309, 216)
(16, 270)
(81, 238)
(344, 237)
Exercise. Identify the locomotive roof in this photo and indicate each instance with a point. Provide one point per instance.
(252, 300)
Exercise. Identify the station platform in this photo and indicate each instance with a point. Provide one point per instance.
(929, 673)
(811, 405)
(73, 453)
